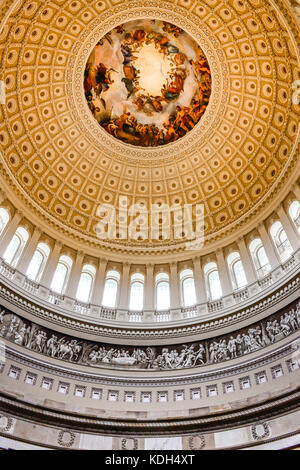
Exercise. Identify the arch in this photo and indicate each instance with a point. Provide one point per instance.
(259, 257)
(61, 275)
(162, 289)
(4, 218)
(16, 246)
(86, 281)
(136, 302)
(281, 241)
(111, 287)
(187, 284)
(38, 262)
(236, 270)
(294, 213)
(212, 281)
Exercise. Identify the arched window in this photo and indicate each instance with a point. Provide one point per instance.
(259, 257)
(61, 275)
(162, 291)
(236, 269)
(294, 211)
(38, 262)
(4, 218)
(111, 289)
(136, 292)
(85, 284)
(188, 292)
(16, 246)
(281, 241)
(212, 280)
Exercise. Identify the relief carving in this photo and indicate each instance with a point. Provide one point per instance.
(237, 344)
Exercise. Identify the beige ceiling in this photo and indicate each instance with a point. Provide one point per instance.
(62, 165)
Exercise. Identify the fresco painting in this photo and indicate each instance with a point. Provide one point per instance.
(147, 83)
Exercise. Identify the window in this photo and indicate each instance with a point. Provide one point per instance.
(85, 284)
(294, 212)
(111, 289)
(113, 396)
(30, 378)
(244, 383)
(4, 218)
(14, 372)
(212, 281)
(146, 397)
(277, 371)
(63, 388)
(236, 270)
(16, 246)
(38, 262)
(79, 391)
(129, 397)
(259, 257)
(137, 292)
(162, 291)
(61, 274)
(178, 395)
(96, 394)
(188, 292)
(195, 394)
(211, 391)
(162, 396)
(47, 383)
(281, 241)
(228, 387)
(261, 378)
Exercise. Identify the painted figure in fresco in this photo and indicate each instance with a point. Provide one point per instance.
(126, 44)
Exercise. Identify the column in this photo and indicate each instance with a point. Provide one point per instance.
(124, 291)
(51, 265)
(200, 288)
(149, 287)
(98, 287)
(9, 231)
(175, 297)
(247, 261)
(268, 246)
(296, 191)
(2, 196)
(28, 251)
(75, 274)
(223, 273)
(290, 229)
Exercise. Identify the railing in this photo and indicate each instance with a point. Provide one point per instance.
(17, 281)
(162, 315)
(108, 313)
(189, 312)
(241, 294)
(215, 305)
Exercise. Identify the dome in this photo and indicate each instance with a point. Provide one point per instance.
(149, 222)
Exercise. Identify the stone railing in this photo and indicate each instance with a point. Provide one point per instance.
(240, 298)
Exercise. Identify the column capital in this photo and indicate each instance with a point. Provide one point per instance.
(2, 195)
(37, 230)
(150, 266)
(58, 244)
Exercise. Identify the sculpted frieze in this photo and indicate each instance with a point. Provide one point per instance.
(223, 348)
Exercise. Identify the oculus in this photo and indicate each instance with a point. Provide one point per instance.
(147, 83)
